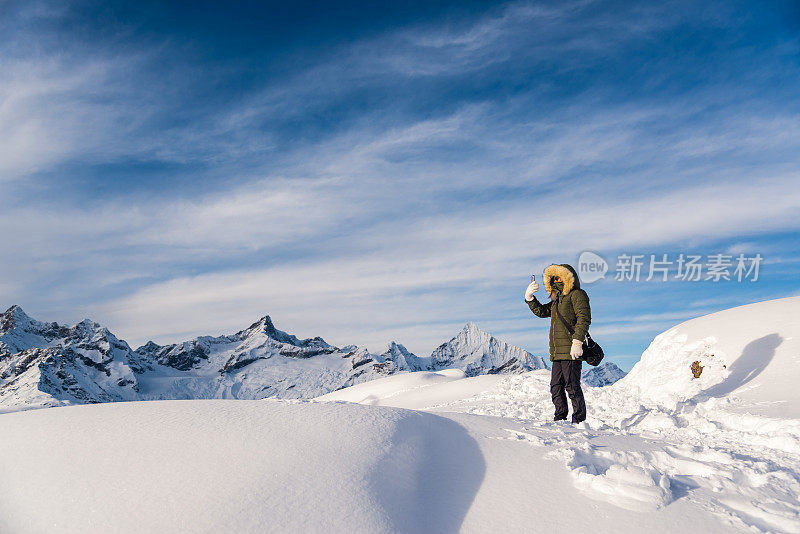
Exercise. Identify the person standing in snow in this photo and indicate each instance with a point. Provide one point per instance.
(572, 302)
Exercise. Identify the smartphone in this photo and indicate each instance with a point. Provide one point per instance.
(533, 278)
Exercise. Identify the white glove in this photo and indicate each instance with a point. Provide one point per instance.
(576, 351)
(532, 288)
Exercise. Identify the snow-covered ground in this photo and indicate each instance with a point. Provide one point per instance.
(233, 466)
(661, 451)
(727, 442)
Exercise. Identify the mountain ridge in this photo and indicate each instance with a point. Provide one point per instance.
(48, 364)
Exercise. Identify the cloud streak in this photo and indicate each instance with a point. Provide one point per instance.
(391, 187)
(415, 274)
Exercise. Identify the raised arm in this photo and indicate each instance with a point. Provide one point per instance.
(539, 309)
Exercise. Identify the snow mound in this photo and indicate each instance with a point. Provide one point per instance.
(425, 390)
(750, 353)
(235, 466)
(417, 390)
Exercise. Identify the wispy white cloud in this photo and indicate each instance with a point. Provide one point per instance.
(251, 217)
(63, 102)
(453, 265)
(41, 117)
(393, 224)
(576, 30)
(562, 37)
(367, 242)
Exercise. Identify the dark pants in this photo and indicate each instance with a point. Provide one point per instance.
(567, 375)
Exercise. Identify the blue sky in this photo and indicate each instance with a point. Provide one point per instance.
(372, 172)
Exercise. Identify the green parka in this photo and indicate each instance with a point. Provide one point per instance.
(573, 304)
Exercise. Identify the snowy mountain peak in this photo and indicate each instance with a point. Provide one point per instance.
(150, 346)
(403, 359)
(471, 326)
(19, 332)
(473, 334)
(48, 364)
(89, 328)
(15, 309)
(265, 323)
(265, 326)
(474, 351)
(394, 346)
(604, 374)
(14, 317)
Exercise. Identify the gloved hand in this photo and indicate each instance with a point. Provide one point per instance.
(532, 288)
(576, 351)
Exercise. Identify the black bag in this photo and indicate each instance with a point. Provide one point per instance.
(592, 352)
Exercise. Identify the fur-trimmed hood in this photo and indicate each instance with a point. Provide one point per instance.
(567, 274)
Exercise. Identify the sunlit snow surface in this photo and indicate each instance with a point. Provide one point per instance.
(661, 451)
(728, 442)
(232, 466)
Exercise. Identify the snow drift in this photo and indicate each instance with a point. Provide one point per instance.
(433, 389)
(233, 466)
(750, 354)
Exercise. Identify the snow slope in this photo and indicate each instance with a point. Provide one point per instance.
(428, 390)
(233, 466)
(728, 442)
(750, 355)
(422, 390)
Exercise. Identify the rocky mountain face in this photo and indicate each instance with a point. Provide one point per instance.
(475, 352)
(47, 364)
